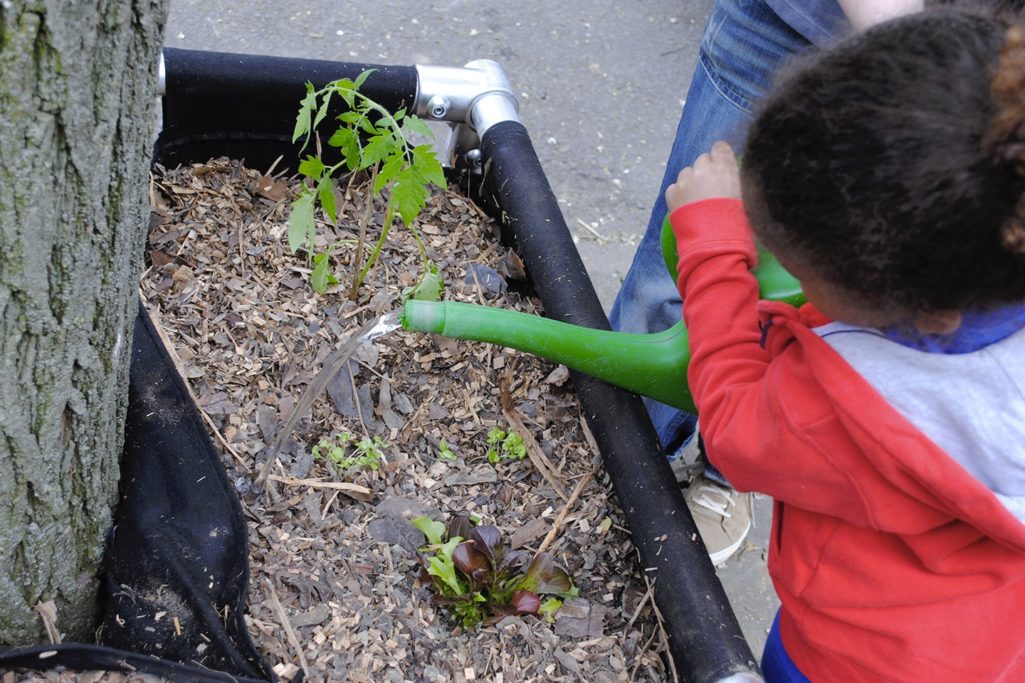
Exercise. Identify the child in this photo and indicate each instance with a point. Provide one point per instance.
(888, 175)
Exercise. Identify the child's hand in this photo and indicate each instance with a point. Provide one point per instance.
(713, 175)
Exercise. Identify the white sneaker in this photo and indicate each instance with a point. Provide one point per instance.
(722, 515)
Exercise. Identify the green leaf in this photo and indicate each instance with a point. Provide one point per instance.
(327, 199)
(350, 117)
(409, 195)
(343, 84)
(324, 444)
(321, 277)
(345, 140)
(346, 88)
(445, 451)
(306, 107)
(442, 567)
(322, 112)
(549, 608)
(495, 436)
(340, 138)
(429, 288)
(312, 167)
(300, 222)
(388, 171)
(468, 611)
(377, 148)
(434, 531)
(513, 447)
(427, 166)
(413, 124)
(367, 126)
(361, 79)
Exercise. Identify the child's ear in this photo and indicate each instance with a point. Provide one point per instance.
(938, 322)
(1013, 236)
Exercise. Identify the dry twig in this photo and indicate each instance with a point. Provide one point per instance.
(663, 637)
(352, 490)
(534, 452)
(287, 625)
(557, 524)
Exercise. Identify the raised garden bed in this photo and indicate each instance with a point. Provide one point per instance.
(335, 569)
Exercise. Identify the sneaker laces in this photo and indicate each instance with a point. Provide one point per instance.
(715, 499)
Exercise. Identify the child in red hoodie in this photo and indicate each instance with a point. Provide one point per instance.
(887, 417)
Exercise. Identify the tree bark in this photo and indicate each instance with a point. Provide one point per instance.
(77, 109)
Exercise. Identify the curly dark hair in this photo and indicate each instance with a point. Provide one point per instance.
(894, 164)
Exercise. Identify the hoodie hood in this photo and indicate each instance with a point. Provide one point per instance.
(903, 458)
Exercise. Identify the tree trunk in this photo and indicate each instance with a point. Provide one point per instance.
(77, 108)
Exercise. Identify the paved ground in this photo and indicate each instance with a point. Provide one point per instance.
(600, 86)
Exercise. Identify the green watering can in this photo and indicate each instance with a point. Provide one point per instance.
(652, 365)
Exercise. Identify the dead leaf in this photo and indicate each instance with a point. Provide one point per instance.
(269, 188)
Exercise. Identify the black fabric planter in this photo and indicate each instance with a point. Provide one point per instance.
(175, 493)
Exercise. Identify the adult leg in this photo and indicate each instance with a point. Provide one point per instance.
(744, 42)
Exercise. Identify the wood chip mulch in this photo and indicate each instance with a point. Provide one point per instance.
(335, 589)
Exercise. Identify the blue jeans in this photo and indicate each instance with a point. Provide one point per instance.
(743, 44)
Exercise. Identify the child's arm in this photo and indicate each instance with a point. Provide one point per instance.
(716, 254)
(748, 428)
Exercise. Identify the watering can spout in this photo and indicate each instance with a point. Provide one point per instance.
(652, 365)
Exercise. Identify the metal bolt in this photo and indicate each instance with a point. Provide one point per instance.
(473, 158)
(438, 106)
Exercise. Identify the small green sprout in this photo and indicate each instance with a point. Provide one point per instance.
(504, 445)
(367, 453)
(445, 451)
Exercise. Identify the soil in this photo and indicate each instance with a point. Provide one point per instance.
(335, 589)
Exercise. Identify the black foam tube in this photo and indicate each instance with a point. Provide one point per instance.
(244, 106)
(704, 637)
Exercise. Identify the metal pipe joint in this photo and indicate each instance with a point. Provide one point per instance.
(470, 100)
(478, 95)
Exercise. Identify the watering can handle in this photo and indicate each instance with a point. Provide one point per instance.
(774, 282)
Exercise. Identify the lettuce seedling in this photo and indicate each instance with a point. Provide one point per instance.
(480, 580)
(366, 453)
(445, 451)
(503, 445)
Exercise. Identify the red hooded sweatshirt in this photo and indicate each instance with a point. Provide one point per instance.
(891, 560)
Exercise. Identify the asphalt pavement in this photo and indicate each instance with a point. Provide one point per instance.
(600, 87)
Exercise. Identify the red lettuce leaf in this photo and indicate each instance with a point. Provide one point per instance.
(525, 602)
